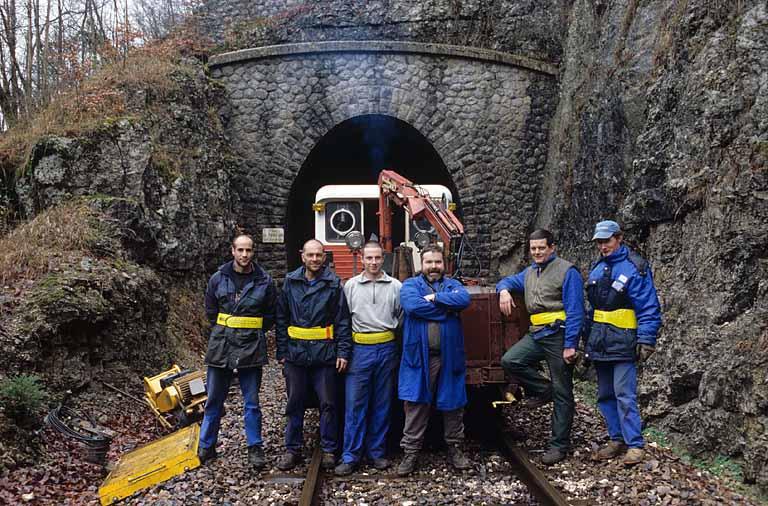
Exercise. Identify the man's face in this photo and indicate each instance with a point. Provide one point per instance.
(313, 256)
(242, 252)
(373, 259)
(540, 251)
(608, 246)
(432, 265)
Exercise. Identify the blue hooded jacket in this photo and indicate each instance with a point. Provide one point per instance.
(413, 382)
(621, 280)
(313, 304)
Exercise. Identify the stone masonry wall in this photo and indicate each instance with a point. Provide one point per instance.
(487, 121)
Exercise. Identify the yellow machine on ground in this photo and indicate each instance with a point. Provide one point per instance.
(151, 464)
(178, 394)
(177, 398)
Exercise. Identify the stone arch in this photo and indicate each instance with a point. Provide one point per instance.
(486, 118)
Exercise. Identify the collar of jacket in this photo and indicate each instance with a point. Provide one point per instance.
(228, 269)
(385, 278)
(617, 256)
(298, 275)
(544, 265)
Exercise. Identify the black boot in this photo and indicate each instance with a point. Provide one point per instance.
(256, 456)
(206, 454)
(408, 464)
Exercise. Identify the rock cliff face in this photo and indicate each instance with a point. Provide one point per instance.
(662, 125)
(159, 182)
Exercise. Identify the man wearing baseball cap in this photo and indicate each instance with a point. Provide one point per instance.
(622, 324)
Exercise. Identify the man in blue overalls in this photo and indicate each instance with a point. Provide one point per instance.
(240, 303)
(314, 343)
(374, 303)
(622, 325)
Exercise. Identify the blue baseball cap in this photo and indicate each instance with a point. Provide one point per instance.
(606, 229)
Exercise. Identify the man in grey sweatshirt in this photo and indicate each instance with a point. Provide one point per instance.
(374, 303)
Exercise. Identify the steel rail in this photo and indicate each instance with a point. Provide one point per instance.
(313, 480)
(537, 483)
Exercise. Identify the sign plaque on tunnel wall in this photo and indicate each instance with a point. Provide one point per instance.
(273, 235)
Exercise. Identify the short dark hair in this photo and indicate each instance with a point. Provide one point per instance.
(432, 248)
(239, 235)
(372, 244)
(542, 233)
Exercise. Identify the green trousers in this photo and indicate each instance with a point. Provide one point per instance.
(520, 363)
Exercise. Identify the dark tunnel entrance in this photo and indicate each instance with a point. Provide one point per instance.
(354, 152)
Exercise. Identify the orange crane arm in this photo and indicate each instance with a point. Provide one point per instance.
(398, 190)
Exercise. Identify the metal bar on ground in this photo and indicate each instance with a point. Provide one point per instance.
(537, 483)
(312, 481)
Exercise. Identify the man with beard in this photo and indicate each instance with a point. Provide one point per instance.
(240, 304)
(433, 364)
(374, 303)
(622, 325)
(554, 298)
(314, 343)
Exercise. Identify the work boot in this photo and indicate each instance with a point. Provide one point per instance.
(344, 469)
(408, 464)
(288, 461)
(633, 456)
(612, 450)
(206, 454)
(381, 464)
(539, 401)
(329, 460)
(458, 459)
(553, 456)
(256, 456)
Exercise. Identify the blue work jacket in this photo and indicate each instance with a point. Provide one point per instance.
(306, 304)
(573, 302)
(621, 280)
(235, 347)
(413, 381)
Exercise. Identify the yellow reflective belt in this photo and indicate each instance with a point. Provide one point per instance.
(373, 337)
(312, 333)
(622, 318)
(239, 322)
(547, 318)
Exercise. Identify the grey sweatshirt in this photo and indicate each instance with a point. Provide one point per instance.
(374, 306)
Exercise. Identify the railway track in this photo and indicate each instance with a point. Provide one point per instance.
(537, 483)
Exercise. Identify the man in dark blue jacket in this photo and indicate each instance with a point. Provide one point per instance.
(240, 304)
(314, 343)
(622, 324)
(554, 298)
(433, 366)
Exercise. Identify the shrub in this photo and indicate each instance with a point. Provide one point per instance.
(21, 397)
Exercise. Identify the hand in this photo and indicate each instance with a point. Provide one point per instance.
(341, 364)
(430, 297)
(506, 303)
(569, 355)
(281, 360)
(643, 352)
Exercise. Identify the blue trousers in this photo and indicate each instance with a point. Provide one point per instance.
(322, 379)
(218, 380)
(369, 389)
(617, 400)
